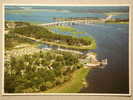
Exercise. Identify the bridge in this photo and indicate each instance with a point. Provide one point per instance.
(77, 22)
(107, 18)
(66, 23)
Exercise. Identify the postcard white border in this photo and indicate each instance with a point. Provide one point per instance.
(67, 94)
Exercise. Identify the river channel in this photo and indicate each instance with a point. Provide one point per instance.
(111, 39)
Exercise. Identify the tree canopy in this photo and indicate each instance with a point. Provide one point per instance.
(39, 71)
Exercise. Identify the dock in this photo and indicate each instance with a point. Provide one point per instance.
(91, 61)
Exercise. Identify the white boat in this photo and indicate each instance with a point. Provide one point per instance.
(104, 62)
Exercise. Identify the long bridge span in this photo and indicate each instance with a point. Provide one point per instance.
(65, 23)
(77, 22)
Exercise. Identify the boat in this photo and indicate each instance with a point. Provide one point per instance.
(104, 62)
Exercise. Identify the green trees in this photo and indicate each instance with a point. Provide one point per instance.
(38, 72)
(11, 40)
(43, 33)
(32, 34)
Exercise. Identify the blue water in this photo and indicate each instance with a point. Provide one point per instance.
(42, 17)
(47, 13)
(112, 43)
(111, 39)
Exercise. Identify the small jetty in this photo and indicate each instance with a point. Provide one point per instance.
(90, 60)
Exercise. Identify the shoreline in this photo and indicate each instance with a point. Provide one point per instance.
(78, 80)
(92, 46)
(74, 85)
(37, 23)
(59, 40)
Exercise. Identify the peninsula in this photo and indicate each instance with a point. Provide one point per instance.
(34, 69)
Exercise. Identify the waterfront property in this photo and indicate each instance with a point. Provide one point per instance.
(30, 56)
(61, 49)
(90, 60)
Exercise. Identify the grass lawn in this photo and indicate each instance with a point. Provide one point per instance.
(72, 30)
(78, 32)
(63, 28)
(72, 86)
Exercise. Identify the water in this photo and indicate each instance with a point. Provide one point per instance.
(47, 13)
(112, 43)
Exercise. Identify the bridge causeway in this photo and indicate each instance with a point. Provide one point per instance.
(77, 22)
(65, 23)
